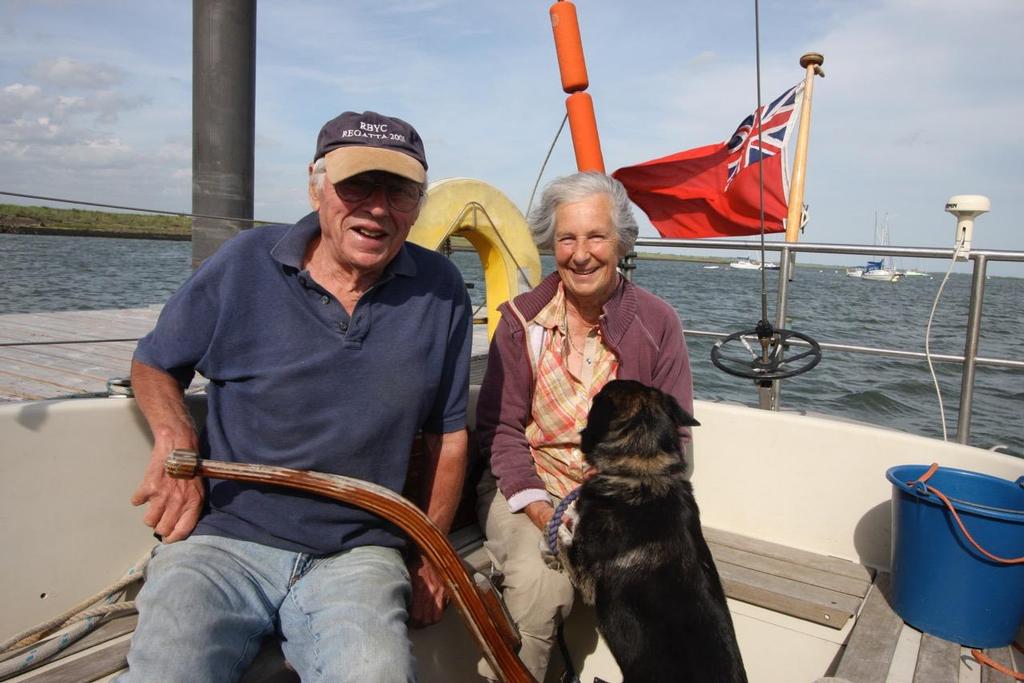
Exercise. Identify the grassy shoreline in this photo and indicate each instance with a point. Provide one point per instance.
(40, 220)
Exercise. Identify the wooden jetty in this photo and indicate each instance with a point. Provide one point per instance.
(75, 353)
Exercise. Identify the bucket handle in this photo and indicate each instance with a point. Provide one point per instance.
(988, 661)
(920, 485)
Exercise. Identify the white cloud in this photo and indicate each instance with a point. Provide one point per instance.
(69, 73)
(18, 99)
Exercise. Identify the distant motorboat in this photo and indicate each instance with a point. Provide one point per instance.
(915, 273)
(857, 271)
(709, 267)
(745, 264)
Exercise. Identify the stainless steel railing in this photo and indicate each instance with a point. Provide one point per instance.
(979, 259)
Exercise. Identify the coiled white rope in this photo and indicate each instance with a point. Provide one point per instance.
(21, 652)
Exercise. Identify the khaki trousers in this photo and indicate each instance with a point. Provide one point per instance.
(537, 594)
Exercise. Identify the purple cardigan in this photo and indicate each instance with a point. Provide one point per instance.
(642, 330)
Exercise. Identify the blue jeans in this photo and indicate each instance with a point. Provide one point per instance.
(209, 601)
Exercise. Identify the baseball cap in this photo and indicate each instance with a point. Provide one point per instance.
(353, 143)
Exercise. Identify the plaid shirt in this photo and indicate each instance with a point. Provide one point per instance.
(561, 400)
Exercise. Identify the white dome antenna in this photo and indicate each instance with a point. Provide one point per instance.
(966, 207)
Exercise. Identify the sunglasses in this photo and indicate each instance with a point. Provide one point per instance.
(400, 195)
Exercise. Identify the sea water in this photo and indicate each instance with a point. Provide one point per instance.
(44, 273)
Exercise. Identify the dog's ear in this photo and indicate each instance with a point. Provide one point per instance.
(598, 421)
(676, 412)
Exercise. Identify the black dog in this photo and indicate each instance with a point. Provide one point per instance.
(636, 550)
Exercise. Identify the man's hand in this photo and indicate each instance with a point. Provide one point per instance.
(174, 504)
(428, 593)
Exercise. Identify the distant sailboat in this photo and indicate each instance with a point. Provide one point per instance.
(882, 269)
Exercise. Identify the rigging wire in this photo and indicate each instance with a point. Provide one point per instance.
(132, 208)
(760, 166)
(544, 165)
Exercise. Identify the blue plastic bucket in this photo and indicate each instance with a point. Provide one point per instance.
(941, 584)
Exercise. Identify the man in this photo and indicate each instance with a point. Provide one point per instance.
(328, 345)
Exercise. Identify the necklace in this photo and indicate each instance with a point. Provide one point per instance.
(568, 336)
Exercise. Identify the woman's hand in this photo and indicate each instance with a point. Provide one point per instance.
(540, 513)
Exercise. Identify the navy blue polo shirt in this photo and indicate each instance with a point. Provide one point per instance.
(295, 381)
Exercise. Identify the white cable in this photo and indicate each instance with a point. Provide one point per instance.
(928, 336)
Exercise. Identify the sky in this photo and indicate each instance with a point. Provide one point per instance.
(922, 99)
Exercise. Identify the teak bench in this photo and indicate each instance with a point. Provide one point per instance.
(818, 588)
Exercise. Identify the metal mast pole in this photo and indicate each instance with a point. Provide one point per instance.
(223, 120)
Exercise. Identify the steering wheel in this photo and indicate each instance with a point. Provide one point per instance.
(757, 367)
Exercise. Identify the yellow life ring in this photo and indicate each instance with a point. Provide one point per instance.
(494, 226)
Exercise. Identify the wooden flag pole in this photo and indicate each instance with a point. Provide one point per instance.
(811, 62)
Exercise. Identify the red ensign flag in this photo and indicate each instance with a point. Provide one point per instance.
(713, 191)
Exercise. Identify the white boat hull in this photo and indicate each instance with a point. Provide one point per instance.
(881, 275)
(808, 482)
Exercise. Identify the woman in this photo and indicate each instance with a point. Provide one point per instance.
(553, 350)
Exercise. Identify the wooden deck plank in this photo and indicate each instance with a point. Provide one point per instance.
(73, 355)
(73, 328)
(968, 670)
(79, 352)
(938, 661)
(29, 364)
(869, 650)
(109, 630)
(86, 666)
(821, 589)
(114, 628)
(904, 657)
(818, 605)
(791, 570)
(145, 315)
(22, 385)
(82, 665)
(834, 565)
